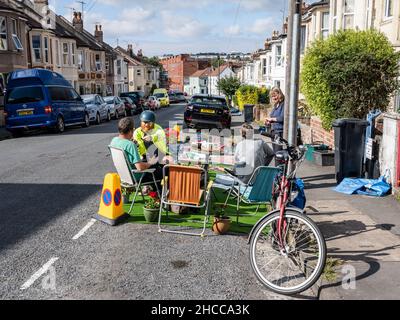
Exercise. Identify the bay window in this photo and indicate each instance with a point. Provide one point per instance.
(348, 15)
(3, 33)
(37, 48)
(388, 10)
(65, 53)
(325, 25)
(46, 49)
(15, 35)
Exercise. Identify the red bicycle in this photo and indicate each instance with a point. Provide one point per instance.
(287, 249)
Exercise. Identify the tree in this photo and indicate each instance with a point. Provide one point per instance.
(349, 74)
(214, 62)
(228, 86)
(154, 61)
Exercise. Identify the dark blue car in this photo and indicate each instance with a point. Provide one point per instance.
(38, 98)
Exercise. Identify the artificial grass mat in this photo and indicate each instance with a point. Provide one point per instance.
(246, 221)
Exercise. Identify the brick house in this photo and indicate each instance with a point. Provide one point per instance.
(179, 69)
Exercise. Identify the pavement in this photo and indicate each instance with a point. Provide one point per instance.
(362, 235)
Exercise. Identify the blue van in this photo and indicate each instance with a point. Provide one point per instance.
(38, 98)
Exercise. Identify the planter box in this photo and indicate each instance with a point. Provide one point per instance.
(324, 158)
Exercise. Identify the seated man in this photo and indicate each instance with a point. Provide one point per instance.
(124, 142)
(250, 154)
(150, 137)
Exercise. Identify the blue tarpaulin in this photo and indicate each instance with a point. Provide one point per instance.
(370, 187)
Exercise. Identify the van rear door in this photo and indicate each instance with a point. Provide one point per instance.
(26, 106)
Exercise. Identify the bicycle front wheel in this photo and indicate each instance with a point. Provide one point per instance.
(290, 264)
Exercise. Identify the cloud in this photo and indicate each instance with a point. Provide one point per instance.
(233, 30)
(184, 27)
(263, 26)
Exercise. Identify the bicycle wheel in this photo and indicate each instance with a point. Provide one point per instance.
(295, 266)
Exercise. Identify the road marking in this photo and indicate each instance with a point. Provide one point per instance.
(38, 274)
(86, 228)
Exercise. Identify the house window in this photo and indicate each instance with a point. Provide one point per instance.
(334, 16)
(277, 84)
(73, 54)
(37, 48)
(388, 10)
(368, 15)
(264, 66)
(303, 38)
(14, 34)
(119, 68)
(325, 25)
(66, 60)
(81, 61)
(139, 88)
(46, 49)
(348, 15)
(138, 72)
(57, 53)
(3, 34)
(98, 62)
(278, 56)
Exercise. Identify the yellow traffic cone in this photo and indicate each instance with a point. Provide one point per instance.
(111, 205)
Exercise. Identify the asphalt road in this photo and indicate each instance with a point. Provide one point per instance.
(50, 187)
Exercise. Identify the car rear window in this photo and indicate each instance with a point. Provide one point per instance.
(159, 95)
(209, 101)
(24, 95)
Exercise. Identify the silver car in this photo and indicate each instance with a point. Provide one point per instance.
(98, 109)
(117, 106)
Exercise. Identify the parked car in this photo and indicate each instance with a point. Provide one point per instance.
(206, 111)
(177, 97)
(153, 103)
(117, 106)
(162, 96)
(98, 109)
(137, 97)
(38, 98)
(130, 106)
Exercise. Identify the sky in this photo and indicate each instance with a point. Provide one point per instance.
(181, 26)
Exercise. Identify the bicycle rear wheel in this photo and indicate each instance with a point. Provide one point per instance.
(295, 266)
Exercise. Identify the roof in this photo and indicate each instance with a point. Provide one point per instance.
(127, 56)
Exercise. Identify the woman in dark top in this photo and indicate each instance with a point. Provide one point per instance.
(277, 116)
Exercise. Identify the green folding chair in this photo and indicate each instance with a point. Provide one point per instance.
(258, 191)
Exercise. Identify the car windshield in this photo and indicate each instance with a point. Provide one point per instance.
(208, 100)
(159, 95)
(24, 95)
(109, 100)
(88, 100)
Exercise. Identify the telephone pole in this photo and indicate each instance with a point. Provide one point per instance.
(288, 69)
(295, 72)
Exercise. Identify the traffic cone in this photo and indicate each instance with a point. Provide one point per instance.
(111, 205)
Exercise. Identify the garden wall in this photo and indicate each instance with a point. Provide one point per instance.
(313, 132)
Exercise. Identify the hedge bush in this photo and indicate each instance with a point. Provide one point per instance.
(246, 95)
(349, 74)
(263, 96)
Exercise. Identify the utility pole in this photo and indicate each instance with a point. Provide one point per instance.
(288, 69)
(295, 72)
(83, 6)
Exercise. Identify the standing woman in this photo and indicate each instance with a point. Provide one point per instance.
(277, 116)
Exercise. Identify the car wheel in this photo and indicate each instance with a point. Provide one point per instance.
(108, 116)
(87, 121)
(17, 133)
(98, 119)
(60, 126)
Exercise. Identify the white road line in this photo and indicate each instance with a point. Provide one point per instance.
(86, 228)
(38, 274)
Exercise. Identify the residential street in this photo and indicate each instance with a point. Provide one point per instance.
(50, 188)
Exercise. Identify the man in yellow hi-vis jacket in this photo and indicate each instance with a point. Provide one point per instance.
(150, 134)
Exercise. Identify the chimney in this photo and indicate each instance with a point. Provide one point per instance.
(77, 22)
(140, 55)
(130, 50)
(98, 34)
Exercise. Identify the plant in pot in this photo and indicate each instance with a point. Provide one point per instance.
(151, 207)
(221, 223)
(126, 194)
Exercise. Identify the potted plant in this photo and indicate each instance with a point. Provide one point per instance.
(126, 194)
(221, 223)
(151, 207)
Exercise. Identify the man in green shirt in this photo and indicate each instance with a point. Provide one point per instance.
(124, 141)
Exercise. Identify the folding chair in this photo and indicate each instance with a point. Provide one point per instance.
(257, 191)
(127, 174)
(183, 189)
